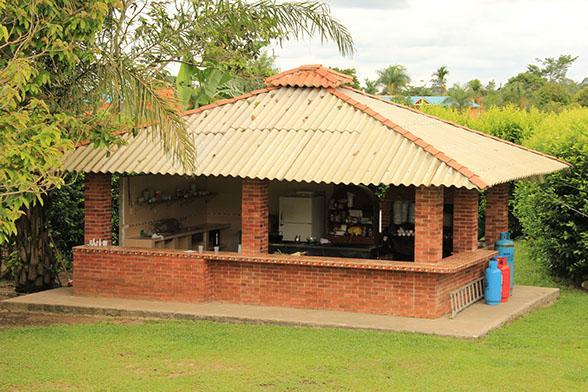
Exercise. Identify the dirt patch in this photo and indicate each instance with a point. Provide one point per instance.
(10, 319)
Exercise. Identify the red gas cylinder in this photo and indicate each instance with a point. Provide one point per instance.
(505, 269)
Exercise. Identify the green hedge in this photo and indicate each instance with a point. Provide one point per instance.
(552, 214)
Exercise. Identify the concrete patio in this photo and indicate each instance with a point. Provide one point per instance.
(474, 322)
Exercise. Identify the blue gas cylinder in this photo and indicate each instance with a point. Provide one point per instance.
(505, 248)
(492, 292)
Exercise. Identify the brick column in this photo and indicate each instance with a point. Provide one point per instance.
(254, 217)
(428, 242)
(98, 207)
(496, 213)
(386, 208)
(465, 220)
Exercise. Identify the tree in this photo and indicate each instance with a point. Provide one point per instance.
(371, 86)
(418, 90)
(477, 89)
(440, 80)
(543, 85)
(554, 69)
(581, 96)
(76, 70)
(552, 96)
(351, 72)
(393, 78)
(220, 37)
(459, 97)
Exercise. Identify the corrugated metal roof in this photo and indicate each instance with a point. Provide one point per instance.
(332, 134)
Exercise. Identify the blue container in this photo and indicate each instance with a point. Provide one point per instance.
(493, 290)
(505, 248)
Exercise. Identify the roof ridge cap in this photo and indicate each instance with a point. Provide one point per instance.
(458, 125)
(427, 147)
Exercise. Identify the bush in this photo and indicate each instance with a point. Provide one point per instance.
(554, 214)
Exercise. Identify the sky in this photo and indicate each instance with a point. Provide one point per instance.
(483, 39)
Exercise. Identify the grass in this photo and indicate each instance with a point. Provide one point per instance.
(546, 350)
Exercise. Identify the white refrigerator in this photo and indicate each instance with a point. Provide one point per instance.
(303, 216)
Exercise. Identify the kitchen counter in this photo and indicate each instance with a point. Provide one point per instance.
(328, 250)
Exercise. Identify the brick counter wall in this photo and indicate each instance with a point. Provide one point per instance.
(193, 277)
(141, 275)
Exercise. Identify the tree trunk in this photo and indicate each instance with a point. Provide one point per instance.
(37, 270)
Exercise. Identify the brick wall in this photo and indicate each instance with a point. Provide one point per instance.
(97, 207)
(496, 213)
(303, 282)
(367, 291)
(465, 220)
(254, 216)
(450, 282)
(428, 224)
(140, 274)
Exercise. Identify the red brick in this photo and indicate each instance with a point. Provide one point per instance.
(465, 220)
(428, 224)
(97, 207)
(254, 216)
(496, 213)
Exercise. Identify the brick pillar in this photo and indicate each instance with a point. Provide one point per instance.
(465, 220)
(496, 213)
(386, 208)
(428, 242)
(98, 207)
(254, 217)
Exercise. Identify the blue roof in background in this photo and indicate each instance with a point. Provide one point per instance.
(439, 100)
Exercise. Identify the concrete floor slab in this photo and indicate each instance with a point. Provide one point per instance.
(473, 322)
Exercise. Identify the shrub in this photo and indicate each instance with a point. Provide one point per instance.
(554, 214)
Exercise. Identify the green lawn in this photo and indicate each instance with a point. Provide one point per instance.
(546, 350)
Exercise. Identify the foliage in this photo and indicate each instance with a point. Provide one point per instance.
(554, 214)
(439, 81)
(418, 90)
(393, 79)
(38, 38)
(543, 85)
(508, 122)
(371, 86)
(581, 96)
(220, 42)
(351, 72)
(545, 349)
(553, 69)
(66, 214)
(459, 97)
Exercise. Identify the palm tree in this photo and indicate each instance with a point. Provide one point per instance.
(459, 97)
(393, 78)
(440, 79)
(477, 90)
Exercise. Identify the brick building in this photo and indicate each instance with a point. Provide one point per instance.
(308, 155)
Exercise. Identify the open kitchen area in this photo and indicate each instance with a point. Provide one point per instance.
(204, 214)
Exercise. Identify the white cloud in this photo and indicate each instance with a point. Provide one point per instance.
(475, 39)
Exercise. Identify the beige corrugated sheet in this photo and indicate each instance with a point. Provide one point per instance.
(309, 134)
(492, 159)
